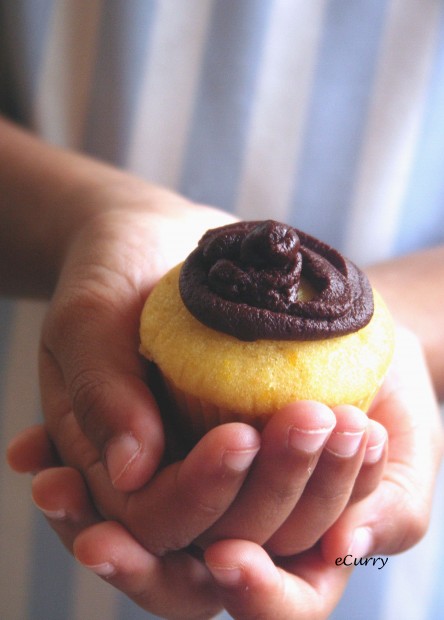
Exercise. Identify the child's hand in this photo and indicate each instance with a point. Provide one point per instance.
(238, 575)
(295, 490)
(168, 580)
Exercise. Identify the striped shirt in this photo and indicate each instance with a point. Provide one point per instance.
(326, 114)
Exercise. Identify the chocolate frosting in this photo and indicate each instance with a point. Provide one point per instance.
(243, 280)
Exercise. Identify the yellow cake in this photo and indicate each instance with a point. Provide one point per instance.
(214, 377)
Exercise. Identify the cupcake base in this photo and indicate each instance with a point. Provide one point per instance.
(196, 416)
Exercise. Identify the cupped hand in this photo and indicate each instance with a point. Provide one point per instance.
(237, 575)
(183, 500)
(290, 483)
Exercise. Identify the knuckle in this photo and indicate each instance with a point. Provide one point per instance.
(89, 389)
(202, 493)
(291, 543)
(175, 540)
(206, 504)
(330, 497)
(279, 493)
(281, 496)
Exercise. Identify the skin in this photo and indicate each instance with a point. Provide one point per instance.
(100, 238)
(413, 287)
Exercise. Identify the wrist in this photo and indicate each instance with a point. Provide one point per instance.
(50, 194)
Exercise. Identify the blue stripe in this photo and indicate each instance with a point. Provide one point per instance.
(422, 216)
(435, 609)
(336, 120)
(224, 101)
(7, 311)
(364, 596)
(25, 22)
(7, 307)
(51, 592)
(121, 59)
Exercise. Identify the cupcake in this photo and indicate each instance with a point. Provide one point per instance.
(259, 315)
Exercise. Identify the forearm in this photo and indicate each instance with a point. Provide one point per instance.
(41, 207)
(413, 287)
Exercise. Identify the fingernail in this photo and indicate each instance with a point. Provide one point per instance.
(308, 440)
(120, 454)
(56, 515)
(239, 460)
(226, 576)
(362, 542)
(375, 443)
(373, 453)
(103, 570)
(344, 444)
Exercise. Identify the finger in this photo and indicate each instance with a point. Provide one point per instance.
(375, 457)
(32, 450)
(113, 406)
(330, 486)
(185, 498)
(90, 337)
(176, 586)
(251, 586)
(290, 446)
(62, 496)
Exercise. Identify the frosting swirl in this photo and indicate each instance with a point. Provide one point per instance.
(244, 279)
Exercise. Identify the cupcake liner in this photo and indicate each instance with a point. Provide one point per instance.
(197, 416)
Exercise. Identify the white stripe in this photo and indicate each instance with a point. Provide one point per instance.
(64, 83)
(19, 405)
(280, 110)
(393, 126)
(93, 597)
(167, 95)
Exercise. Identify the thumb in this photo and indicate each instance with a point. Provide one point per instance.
(90, 366)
